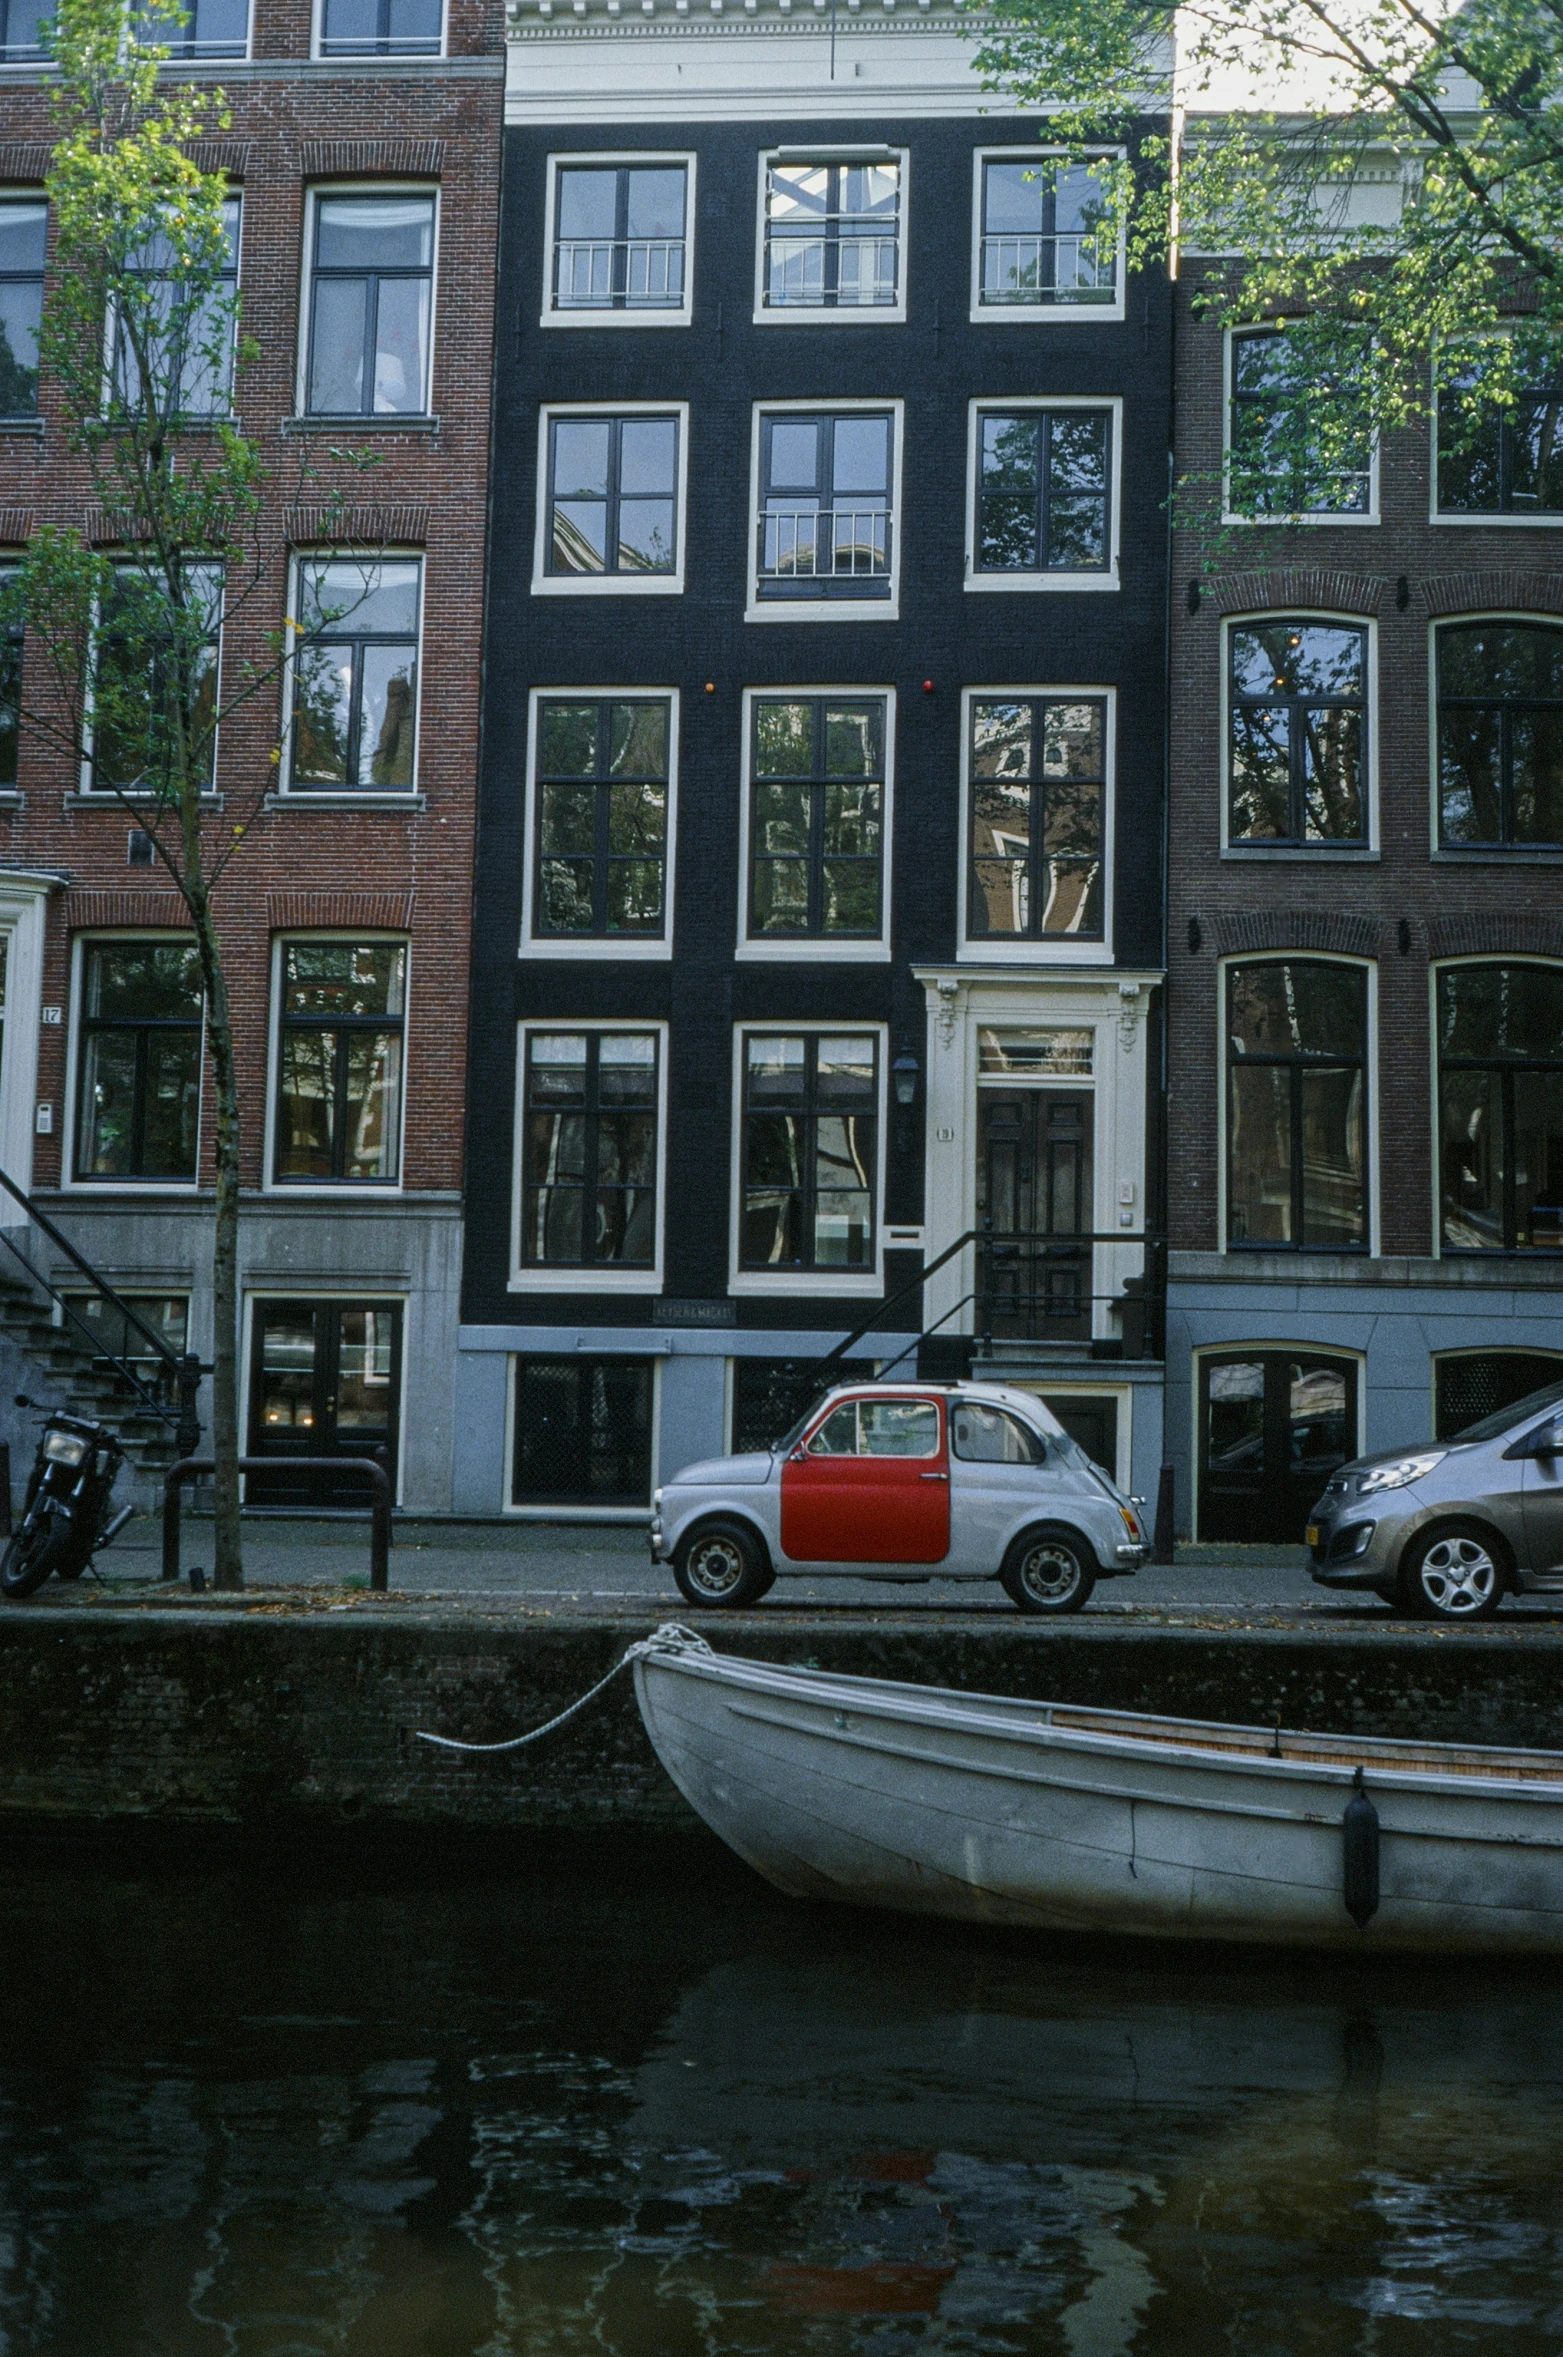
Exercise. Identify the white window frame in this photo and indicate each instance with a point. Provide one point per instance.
(1060, 949)
(681, 317)
(617, 946)
(364, 61)
(1329, 854)
(812, 947)
(1435, 1105)
(375, 421)
(825, 610)
(821, 314)
(316, 1289)
(69, 1182)
(1486, 518)
(546, 584)
(656, 1351)
(233, 194)
(346, 797)
(1019, 583)
(1290, 1253)
(1314, 518)
(826, 1283)
(600, 1278)
(331, 1190)
(108, 796)
(1037, 314)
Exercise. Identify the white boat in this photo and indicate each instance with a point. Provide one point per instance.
(1068, 1819)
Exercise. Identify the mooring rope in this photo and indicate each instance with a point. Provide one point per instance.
(670, 1638)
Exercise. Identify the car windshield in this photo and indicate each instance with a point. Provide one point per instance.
(790, 1438)
(1503, 1420)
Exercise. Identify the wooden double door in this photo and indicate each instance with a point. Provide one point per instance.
(325, 1381)
(1034, 1191)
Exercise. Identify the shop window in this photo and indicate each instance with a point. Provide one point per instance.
(582, 1432)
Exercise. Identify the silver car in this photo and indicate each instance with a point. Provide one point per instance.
(913, 1481)
(1446, 1531)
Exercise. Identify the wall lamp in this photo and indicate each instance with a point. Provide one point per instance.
(903, 1074)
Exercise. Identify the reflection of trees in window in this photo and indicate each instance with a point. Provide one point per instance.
(1042, 241)
(154, 687)
(1500, 733)
(1043, 491)
(1296, 1111)
(817, 817)
(355, 674)
(138, 1099)
(1500, 1079)
(1278, 464)
(1504, 460)
(601, 823)
(23, 228)
(1298, 717)
(810, 1128)
(339, 1089)
(1038, 790)
(612, 491)
(590, 1173)
(173, 351)
(619, 237)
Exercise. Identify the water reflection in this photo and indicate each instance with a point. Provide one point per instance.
(631, 2104)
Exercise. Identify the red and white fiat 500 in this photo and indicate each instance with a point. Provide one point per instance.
(914, 1481)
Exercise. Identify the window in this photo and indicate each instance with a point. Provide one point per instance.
(601, 817)
(1500, 735)
(139, 1092)
(1472, 1384)
(1038, 817)
(817, 818)
(612, 492)
(371, 288)
(155, 682)
(1509, 461)
(339, 1063)
(825, 520)
(1042, 246)
(589, 1166)
(619, 239)
(1500, 1083)
(583, 1432)
(168, 1315)
(832, 235)
(10, 681)
(1276, 469)
(770, 1396)
(210, 28)
(355, 675)
(987, 1436)
(1298, 722)
(188, 372)
(24, 228)
(810, 1136)
(1296, 1106)
(879, 1428)
(381, 28)
(21, 22)
(1043, 493)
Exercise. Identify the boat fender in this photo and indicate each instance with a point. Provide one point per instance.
(1359, 1855)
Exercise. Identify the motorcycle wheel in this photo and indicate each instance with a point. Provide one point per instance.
(32, 1555)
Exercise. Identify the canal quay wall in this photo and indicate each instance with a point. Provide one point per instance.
(271, 1721)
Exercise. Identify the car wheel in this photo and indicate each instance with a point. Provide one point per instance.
(1456, 1573)
(721, 1566)
(1048, 1571)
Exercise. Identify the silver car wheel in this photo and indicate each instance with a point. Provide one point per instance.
(715, 1565)
(1458, 1576)
(1049, 1572)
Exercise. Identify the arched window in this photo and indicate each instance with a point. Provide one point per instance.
(1500, 735)
(1500, 1085)
(1298, 726)
(1297, 1046)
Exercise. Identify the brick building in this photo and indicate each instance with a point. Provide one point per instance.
(363, 163)
(1365, 950)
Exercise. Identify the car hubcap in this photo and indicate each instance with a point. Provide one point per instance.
(715, 1567)
(1049, 1574)
(1458, 1575)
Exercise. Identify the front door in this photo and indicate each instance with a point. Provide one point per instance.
(1274, 1426)
(870, 1485)
(325, 1382)
(1034, 1183)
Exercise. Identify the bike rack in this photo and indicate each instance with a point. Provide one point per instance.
(191, 1468)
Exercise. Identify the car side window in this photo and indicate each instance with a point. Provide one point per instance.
(987, 1436)
(837, 1436)
(899, 1427)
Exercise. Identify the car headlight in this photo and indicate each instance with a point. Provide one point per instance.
(65, 1448)
(1400, 1474)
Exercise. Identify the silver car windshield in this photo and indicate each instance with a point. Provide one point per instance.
(1503, 1420)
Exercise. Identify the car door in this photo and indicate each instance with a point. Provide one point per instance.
(871, 1484)
(996, 1470)
(1543, 1495)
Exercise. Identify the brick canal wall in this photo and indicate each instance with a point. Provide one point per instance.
(284, 1722)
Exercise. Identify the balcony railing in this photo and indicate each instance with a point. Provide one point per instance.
(796, 271)
(1071, 267)
(826, 544)
(612, 273)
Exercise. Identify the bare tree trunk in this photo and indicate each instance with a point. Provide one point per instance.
(228, 1560)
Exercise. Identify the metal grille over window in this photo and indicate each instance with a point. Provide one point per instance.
(371, 286)
(1043, 491)
(811, 1107)
(1504, 460)
(24, 226)
(832, 234)
(1038, 809)
(769, 1398)
(1500, 1078)
(825, 521)
(355, 675)
(139, 1093)
(1043, 241)
(381, 28)
(619, 237)
(612, 495)
(1500, 735)
(1296, 1110)
(583, 1432)
(1299, 722)
(817, 824)
(1278, 465)
(339, 1087)
(602, 810)
(590, 1176)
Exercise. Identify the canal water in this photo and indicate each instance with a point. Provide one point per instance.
(622, 2101)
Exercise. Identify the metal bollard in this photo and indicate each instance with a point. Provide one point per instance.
(379, 1503)
(1161, 1540)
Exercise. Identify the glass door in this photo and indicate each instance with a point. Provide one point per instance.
(1274, 1426)
(325, 1382)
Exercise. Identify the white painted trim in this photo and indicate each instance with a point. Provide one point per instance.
(1542, 520)
(568, 1512)
(1023, 582)
(320, 1289)
(1368, 624)
(814, 948)
(546, 584)
(821, 314)
(1272, 1346)
(1060, 949)
(369, 420)
(24, 902)
(824, 609)
(639, 948)
(346, 796)
(69, 1182)
(527, 1278)
(1301, 1254)
(1037, 314)
(588, 318)
(343, 1190)
(826, 1283)
(1312, 518)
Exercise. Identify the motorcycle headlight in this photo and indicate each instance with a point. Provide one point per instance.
(1398, 1475)
(65, 1448)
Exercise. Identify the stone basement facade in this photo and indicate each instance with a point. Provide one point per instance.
(363, 163)
(818, 907)
(1365, 955)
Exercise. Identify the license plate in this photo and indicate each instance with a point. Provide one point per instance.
(1311, 1534)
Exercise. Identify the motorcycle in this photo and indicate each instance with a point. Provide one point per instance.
(64, 1521)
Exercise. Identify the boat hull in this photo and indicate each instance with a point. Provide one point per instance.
(995, 1811)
